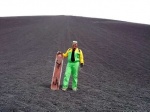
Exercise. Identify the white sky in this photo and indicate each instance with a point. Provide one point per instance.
(137, 11)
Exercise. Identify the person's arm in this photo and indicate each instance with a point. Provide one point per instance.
(81, 58)
(65, 54)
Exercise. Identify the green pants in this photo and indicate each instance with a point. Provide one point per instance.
(72, 68)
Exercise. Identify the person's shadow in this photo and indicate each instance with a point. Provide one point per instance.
(46, 85)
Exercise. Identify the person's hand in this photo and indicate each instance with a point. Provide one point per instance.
(59, 52)
(81, 65)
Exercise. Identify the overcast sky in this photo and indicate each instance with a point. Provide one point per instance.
(137, 11)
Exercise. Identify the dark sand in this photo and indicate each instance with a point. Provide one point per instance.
(115, 78)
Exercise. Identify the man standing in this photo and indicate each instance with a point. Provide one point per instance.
(75, 59)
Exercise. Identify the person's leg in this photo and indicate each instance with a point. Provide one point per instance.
(67, 76)
(75, 70)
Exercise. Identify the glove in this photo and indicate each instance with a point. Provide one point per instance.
(59, 52)
(81, 65)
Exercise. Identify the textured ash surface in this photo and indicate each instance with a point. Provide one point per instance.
(116, 75)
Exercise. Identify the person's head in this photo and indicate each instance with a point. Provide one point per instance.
(74, 44)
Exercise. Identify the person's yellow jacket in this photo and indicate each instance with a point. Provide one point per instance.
(77, 54)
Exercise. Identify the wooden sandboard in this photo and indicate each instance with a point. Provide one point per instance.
(55, 83)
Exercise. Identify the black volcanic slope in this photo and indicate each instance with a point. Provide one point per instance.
(116, 75)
